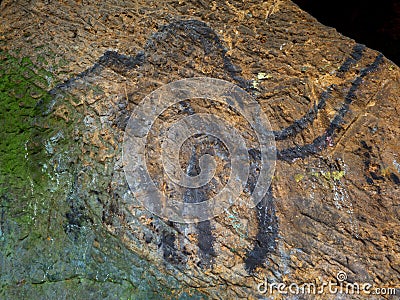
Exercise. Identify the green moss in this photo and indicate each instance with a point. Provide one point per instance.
(42, 261)
(21, 87)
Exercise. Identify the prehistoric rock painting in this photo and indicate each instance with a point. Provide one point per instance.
(336, 171)
(192, 31)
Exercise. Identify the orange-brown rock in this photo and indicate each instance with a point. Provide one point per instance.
(333, 205)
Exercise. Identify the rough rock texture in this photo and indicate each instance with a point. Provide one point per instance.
(72, 73)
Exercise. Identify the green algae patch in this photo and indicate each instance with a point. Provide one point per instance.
(51, 244)
(22, 85)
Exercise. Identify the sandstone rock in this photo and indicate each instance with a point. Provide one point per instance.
(70, 226)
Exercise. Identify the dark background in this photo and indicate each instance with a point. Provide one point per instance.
(375, 23)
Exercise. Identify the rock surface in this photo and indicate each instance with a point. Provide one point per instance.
(72, 74)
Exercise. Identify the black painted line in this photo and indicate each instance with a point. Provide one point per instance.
(267, 222)
(265, 240)
(355, 56)
(168, 246)
(299, 125)
(322, 141)
(194, 29)
(200, 31)
(205, 239)
(110, 59)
